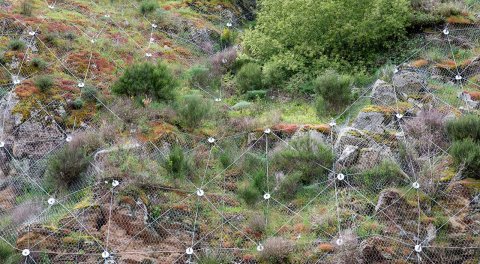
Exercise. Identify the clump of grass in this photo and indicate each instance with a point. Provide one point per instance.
(39, 63)
(26, 7)
(16, 44)
(44, 83)
(465, 127)
(148, 6)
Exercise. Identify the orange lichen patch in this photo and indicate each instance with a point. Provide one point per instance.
(326, 247)
(289, 129)
(399, 107)
(300, 228)
(419, 63)
(459, 20)
(447, 64)
(322, 128)
(79, 62)
(26, 89)
(183, 51)
(474, 95)
(167, 8)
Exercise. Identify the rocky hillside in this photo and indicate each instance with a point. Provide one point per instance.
(90, 176)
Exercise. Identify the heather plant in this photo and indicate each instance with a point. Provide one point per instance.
(465, 127)
(193, 110)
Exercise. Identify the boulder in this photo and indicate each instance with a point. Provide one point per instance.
(372, 156)
(383, 93)
(348, 156)
(370, 121)
(408, 83)
(470, 99)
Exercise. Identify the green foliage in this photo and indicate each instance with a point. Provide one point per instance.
(16, 44)
(308, 157)
(290, 185)
(385, 174)
(148, 6)
(39, 63)
(146, 79)
(467, 152)
(464, 127)
(252, 190)
(177, 164)
(44, 83)
(199, 76)
(77, 103)
(67, 168)
(293, 37)
(227, 37)
(369, 227)
(193, 110)
(89, 93)
(249, 194)
(8, 254)
(334, 88)
(249, 77)
(256, 95)
(26, 7)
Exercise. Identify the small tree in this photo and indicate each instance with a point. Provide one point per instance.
(66, 169)
(146, 79)
(249, 78)
(334, 88)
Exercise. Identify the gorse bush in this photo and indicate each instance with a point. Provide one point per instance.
(466, 153)
(249, 78)
(44, 83)
(252, 190)
(148, 6)
(334, 88)
(464, 127)
(293, 37)
(146, 79)
(177, 164)
(67, 168)
(193, 110)
(89, 93)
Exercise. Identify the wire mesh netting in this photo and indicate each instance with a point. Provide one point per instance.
(375, 185)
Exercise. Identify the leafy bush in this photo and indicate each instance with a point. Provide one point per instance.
(465, 127)
(16, 44)
(276, 250)
(146, 79)
(249, 194)
(467, 152)
(148, 6)
(67, 168)
(348, 33)
(44, 83)
(290, 185)
(200, 76)
(256, 95)
(39, 63)
(385, 174)
(227, 37)
(334, 88)
(193, 110)
(249, 77)
(307, 156)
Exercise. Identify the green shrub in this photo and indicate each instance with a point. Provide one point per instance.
(306, 156)
(464, 127)
(67, 168)
(6, 251)
(320, 106)
(148, 6)
(176, 163)
(16, 44)
(249, 194)
(44, 83)
(290, 185)
(334, 88)
(89, 93)
(39, 63)
(249, 77)
(77, 103)
(193, 110)
(227, 37)
(200, 76)
(348, 33)
(26, 7)
(146, 79)
(383, 175)
(467, 152)
(256, 95)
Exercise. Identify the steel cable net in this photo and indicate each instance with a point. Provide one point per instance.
(375, 185)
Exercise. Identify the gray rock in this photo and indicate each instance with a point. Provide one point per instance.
(370, 121)
(408, 83)
(348, 156)
(371, 157)
(352, 136)
(383, 93)
(467, 98)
